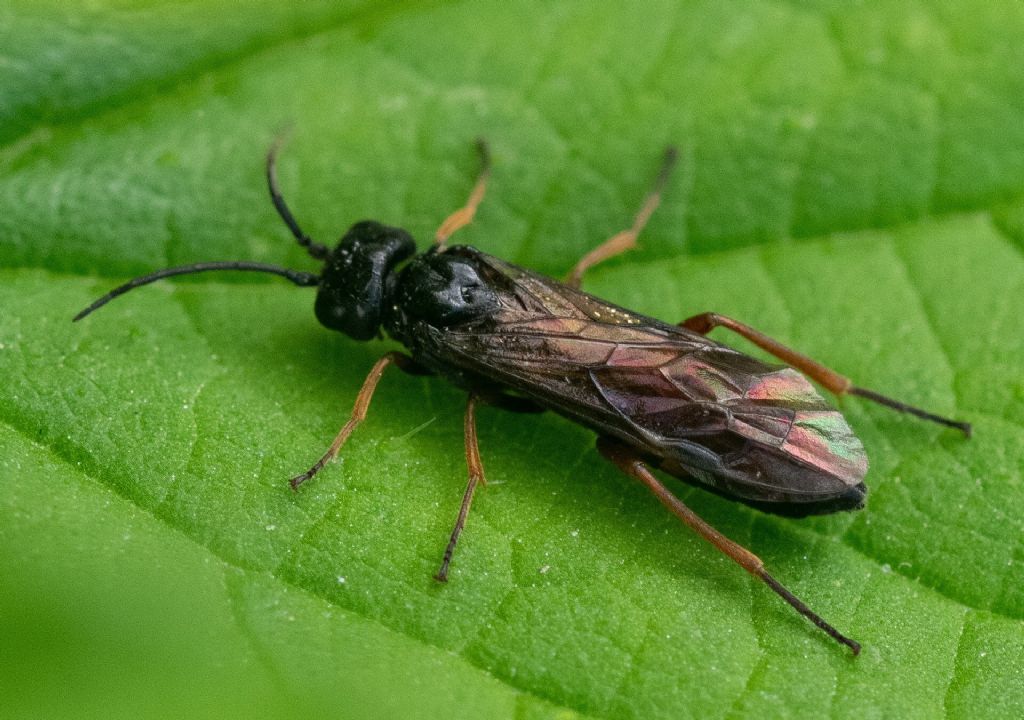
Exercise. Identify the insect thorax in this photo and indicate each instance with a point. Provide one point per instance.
(438, 290)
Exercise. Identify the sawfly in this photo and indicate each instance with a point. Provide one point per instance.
(657, 394)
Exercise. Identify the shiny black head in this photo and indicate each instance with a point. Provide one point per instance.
(352, 287)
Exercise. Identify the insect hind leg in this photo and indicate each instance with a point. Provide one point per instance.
(626, 239)
(830, 379)
(627, 461)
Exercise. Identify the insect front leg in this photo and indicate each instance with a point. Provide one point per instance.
(830, 379)
(362, 404)
(476, 476)
(464, 215)
(626, 240)
(630, 463)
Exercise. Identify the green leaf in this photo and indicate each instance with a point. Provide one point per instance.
(852, 182)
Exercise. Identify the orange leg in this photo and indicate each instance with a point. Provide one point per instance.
(626, 240)
(464, 215)
(476, 475)
(358, 412)
(629, 463)
(830, 379)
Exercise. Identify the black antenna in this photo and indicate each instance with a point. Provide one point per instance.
(313, 248)
(302, 279)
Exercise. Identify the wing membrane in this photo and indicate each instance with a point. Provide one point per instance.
(756, 431)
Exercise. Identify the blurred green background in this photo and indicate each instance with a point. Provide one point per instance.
(852, 182)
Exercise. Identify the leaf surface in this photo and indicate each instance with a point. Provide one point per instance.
(852, 182)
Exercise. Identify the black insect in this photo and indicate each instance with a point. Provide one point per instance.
(656, 394)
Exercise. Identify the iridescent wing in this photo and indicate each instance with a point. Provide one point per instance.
(753, 431)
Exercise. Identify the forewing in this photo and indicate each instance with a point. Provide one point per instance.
(757, 431)
(765, 436)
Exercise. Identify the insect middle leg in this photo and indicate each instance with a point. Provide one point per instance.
(476, 475)
(629, 463)
(362, 404)
(464, 215)
(626, 240)
(830, 379)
